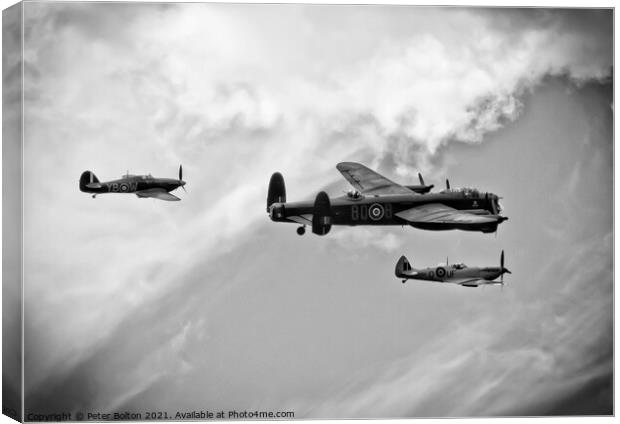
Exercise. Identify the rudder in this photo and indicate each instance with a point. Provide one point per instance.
(402, 266)
(321, 215)
(277, 190)
(87, 179)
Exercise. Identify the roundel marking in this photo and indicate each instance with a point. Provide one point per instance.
(124, 187)
(440, 272)
(376, 211)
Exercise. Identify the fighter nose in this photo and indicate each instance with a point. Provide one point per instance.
(182, 183)
(506, 270)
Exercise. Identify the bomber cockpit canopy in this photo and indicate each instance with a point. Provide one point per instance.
(466, 191)
(354, 195)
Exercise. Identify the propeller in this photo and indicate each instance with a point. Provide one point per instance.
(181, 182)
(504, 270)
(447, 184)
(421, 179)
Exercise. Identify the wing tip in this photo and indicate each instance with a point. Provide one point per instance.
(346, 165)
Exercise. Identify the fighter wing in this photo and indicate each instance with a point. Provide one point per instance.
(437, 213)
(472, 282)
(367, 181)
(157, 193)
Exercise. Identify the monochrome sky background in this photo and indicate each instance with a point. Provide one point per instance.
(205, 304)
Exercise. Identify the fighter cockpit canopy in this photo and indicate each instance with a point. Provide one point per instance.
(459, 266)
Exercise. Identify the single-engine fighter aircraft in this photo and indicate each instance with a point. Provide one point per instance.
(141, 185)
(379, 201)
(455, 273)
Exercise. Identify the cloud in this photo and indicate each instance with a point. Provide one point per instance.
(362, 237)
(234, 93)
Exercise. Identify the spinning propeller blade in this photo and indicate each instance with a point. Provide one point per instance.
(181, 178)
(421, 179)
(504, 270)
(447, 184)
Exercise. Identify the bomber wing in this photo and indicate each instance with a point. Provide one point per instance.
(369, 182)
(157, 193)
(437, 213)
(305, 219)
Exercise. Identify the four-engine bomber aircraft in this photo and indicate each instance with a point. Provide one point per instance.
(455, 273)
(141, 185)
(378, 201)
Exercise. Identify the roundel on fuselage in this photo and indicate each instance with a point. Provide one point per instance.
(124, 187)
(376, 211)
(440, 272)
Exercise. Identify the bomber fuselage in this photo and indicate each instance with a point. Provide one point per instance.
(382, 210)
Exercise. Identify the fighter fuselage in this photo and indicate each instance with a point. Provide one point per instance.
(443, 273)
(132, 184)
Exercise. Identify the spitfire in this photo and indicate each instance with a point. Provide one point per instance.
(456, 273)
(141, 185)
(377, 200)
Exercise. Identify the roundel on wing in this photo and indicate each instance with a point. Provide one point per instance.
(124, 187)
(376, 211)
(440, 272)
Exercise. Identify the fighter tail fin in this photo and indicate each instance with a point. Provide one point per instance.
(402, 266)
(89, 181)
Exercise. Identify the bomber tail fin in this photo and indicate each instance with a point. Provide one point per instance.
(321, 215)
(89, 181)
(277, 190)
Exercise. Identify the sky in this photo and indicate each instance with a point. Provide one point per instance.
(132, 304)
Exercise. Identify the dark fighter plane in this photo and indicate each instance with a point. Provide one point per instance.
(455, 273)
(141, 185)
(378, 201)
